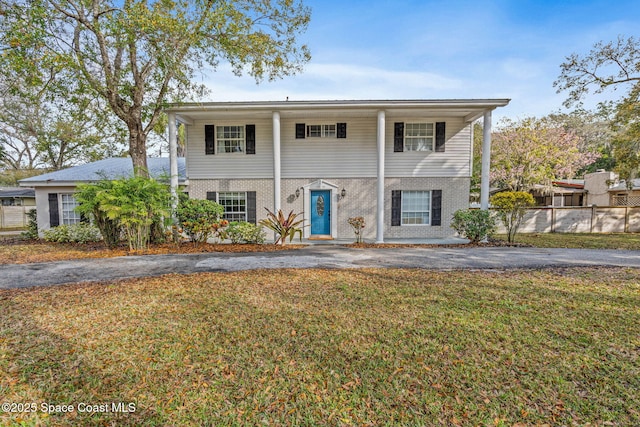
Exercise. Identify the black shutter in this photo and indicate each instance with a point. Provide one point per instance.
(209, 139)
(440, 136)
(436, 207)
(341, 130)
(54, 213)
(251, 207)
(211, 195)
(250, 135)
(398, 138)
(300, 130)
(396, 207)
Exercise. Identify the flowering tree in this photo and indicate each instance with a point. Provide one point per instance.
(535, 151)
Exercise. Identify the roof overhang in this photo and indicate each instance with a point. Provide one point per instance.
(467, 109)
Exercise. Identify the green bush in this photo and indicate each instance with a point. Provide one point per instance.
(76, 233)
(245, 232)
(511, 207)
(473, 224)
(200, 219)
(90, 198)
(32, 226)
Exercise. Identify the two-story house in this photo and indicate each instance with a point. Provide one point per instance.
(404, 166)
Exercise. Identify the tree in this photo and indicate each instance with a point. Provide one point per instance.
(594, 131)
(48, 122)
(511, 207)
(137, 55)
(610, 65)
(534, 151)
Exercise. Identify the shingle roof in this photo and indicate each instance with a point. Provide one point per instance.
(112, 168)
(17, 192)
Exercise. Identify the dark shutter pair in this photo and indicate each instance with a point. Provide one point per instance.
(301, 132)
(251, 204)
(210, 139)
(436, 207)
(398, 137)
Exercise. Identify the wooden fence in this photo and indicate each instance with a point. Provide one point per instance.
(14, 216)
(591, 219)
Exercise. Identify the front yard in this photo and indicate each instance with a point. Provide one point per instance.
(316, 347)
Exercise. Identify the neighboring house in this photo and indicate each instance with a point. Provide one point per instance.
(404, 166)
(55, 203)
(566, 193)
(12, 196)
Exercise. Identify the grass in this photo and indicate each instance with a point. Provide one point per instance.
(325, 347)
(630, 241)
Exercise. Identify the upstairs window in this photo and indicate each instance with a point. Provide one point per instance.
(321, 131)
(230, 139)
(418, 136)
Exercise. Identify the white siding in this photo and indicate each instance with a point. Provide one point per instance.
(350, 157)
(230, 165)
(454, 162)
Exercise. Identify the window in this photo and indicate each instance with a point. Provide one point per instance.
(321, 131)
(230, 139)
(418, 137)
(69, 215)
(235, 205)
(416, 207)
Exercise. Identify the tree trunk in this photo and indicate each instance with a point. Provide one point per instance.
(138, 149)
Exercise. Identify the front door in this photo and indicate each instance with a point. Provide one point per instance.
(321, 212)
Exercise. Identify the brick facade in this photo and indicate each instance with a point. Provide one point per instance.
(360, 200)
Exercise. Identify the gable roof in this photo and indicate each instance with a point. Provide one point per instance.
(111, 168)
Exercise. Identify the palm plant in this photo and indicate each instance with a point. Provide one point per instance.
(283, 226)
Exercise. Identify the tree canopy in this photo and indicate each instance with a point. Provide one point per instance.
(137, 55)
(611, 65)
(535, 151)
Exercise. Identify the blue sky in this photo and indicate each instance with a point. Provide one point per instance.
(412, 49)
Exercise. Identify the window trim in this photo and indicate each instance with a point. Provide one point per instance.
(406, 138)
(64, 213)
(220, 149)
(429, 210)
(329, 130)
(246, 205)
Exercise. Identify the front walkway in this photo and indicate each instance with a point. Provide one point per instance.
(315, 256)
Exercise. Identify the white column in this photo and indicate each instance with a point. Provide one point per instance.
(486, 161)
(276, 161)
(380, 192)
(173, 163)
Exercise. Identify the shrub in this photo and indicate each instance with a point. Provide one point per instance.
(76, 233)
(32, 226)
(199, 219)
(511, 207)
(245, 232)
(90, 197)
(358, 225)
(283, 226)
(473, 224)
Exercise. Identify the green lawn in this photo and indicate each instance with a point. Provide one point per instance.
(629, 241)
(339, 348)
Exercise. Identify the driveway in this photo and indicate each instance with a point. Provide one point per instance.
(437, 258)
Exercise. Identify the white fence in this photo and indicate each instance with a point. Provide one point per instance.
(14, 216)
(592, 219)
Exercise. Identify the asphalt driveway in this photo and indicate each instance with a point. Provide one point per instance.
(438, 258)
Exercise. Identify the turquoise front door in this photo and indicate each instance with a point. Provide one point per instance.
(320, 212)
